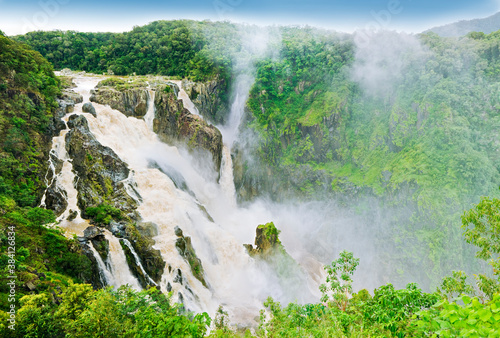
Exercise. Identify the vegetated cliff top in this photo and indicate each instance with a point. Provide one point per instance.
(486, 25)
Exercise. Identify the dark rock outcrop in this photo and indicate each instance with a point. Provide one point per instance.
(175, 124)
(89, 108)
(131, 101)
(101, 174)
(135, 264)
(100, 171)
(69, 95)
(100, 243)
(208, 97)
(266, 241)
(95, 280)
(150, 258)
(186, 250)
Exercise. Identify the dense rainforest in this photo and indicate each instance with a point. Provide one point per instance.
(409, 131)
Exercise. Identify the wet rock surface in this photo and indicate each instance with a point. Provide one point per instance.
(129, 98)
(174, 124)
(208, 98)
(266, 241)
(100, 171)
(186, 250)
(89, 108)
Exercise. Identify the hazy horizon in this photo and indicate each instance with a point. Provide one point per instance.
(20, 17)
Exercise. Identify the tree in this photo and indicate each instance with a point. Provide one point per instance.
(339, 281)
(482, 228)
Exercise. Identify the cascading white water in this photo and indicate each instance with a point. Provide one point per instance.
(150, 114)
(117, 262)
(137, 260)
(235, 280)
(104, 272)
(186, 101)
(230, 129)
(116, 272)
(52, 171)
(226, 177)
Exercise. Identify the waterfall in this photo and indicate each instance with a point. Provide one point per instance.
(205, 210)
(51, 170)
(150, 114)
(117, 262)
(230, 129)
(137, 259)
(226, 177)
(186, 101)
(104, 272)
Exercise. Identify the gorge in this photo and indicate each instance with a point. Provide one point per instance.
(210, 166)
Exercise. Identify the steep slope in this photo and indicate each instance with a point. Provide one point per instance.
(40, 258)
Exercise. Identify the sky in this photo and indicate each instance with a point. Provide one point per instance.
(21, 16)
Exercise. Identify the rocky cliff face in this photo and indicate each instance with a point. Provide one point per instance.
(210, 98)
(55, 198)
(99, 170)
(175, 124)
(129, 101)
(102, 179)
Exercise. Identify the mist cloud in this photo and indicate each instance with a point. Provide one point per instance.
(381, 58)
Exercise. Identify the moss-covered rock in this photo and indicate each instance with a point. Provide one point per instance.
(266, 241)
(135, 264)
(270, 252)
(175, 124)
(151, 258)
(94, 275)
(211, 98)
(186, 250)
(99, 170)
(89, 108)
(129, 98)
(99, 241)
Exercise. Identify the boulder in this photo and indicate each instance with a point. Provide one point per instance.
(92, 232)
(130, 99)
(89, 108)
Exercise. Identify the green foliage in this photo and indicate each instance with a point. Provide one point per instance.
(310, 320)
(472, 319)
(83, 312)
(270, 232)
(393, 308)
(482, 227)
(44, 257)
(339, 280)
(175, 48)
(104, 213)
(455, 285)
(28, 93)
